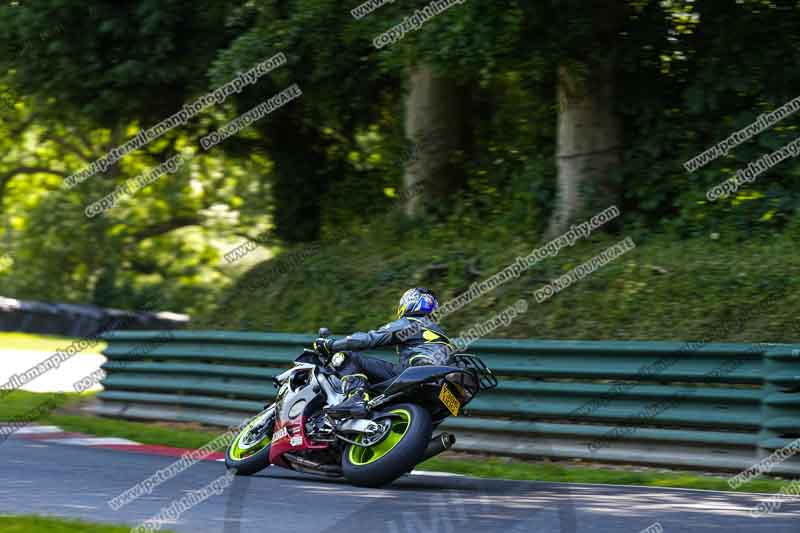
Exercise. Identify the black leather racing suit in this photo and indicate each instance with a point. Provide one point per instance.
(417, 340)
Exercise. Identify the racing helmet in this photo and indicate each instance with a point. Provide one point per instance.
(416, 302)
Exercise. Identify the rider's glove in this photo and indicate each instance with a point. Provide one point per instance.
(324, 346)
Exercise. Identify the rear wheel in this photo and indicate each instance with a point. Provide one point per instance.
(407, 435)
(249, 451)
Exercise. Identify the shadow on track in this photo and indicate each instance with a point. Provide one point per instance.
(430, 504)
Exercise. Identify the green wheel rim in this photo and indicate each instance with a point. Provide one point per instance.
(363, 456)
(238, 453)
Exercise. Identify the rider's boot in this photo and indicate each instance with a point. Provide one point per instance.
(355, 404)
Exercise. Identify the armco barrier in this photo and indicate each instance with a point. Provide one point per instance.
(711, 406)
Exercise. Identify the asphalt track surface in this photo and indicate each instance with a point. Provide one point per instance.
(77, 482)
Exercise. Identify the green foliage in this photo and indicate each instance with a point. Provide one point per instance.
(330, 164)
(101, 58)
(156, 246)
(687, 94)
(315, 141)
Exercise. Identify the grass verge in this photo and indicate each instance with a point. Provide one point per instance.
(175, 435)
(19, 406)
(144, 432)
(664, 289)
(40, 524)
(41, 343)
(527, 471)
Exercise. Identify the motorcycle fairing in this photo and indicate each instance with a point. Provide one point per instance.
(298, 394)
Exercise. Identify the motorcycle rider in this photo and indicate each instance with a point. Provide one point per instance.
(417, 338)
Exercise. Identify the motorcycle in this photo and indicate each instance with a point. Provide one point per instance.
(296, 433)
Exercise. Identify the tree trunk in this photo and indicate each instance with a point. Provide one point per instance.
(589, 143)
(434, 123)
(299, 181)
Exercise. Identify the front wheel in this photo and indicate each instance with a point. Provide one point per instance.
(408, 434)
(249, 451)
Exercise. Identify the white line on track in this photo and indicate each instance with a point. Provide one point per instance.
(438, 474)
(71, 506)
(654, 488)
(93, 441)
(38, 430)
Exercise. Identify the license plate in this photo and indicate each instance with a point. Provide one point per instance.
(449, 400)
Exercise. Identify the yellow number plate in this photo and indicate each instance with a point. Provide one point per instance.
(449, 401)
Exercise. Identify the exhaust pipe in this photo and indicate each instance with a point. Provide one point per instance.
(312, 466)
(438, 444)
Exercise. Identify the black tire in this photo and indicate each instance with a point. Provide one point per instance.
(361, 467)
(248, 464)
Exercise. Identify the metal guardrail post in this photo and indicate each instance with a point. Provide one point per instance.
(780, 405)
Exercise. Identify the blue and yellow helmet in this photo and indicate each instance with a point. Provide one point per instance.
(416, 302)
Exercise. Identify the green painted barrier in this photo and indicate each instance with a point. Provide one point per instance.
(713, 406)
